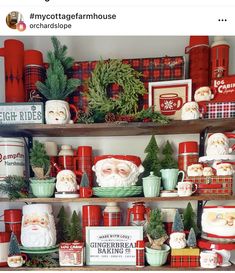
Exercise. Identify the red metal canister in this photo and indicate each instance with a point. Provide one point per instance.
(112, 215)
(188, 154)
(140, 256)
(12, 219)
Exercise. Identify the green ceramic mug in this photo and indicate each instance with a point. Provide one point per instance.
(170, 178)
(151, 185)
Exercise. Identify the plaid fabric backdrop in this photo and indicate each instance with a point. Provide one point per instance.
(185, 261)
(152, 69)
(222, 185)
(219, 110)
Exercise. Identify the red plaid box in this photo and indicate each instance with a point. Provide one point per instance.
(186, 257)
(152, 69)
(213, 110)
(221, 185)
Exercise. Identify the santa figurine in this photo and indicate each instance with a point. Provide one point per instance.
(190, 111)
(223, 169)
(38, 226)
(177, 240)
(218, 144)
(117, 170)
(203, 94)
(195, 170)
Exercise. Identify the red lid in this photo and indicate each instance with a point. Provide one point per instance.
(33, 57)
(197, 41)
(12, 215)
(132, 158)
(188, 147)
(140, 244)
(5, 237)
(84, 151)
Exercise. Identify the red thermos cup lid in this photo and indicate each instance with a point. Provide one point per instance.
(12, 215)
(4, 237)
(33, 57)
(188, 147)
(197, 41)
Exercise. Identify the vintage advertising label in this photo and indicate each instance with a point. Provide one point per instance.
(21, 113)
(112, 245)
(224, 89)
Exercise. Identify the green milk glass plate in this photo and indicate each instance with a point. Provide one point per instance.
(117, 191)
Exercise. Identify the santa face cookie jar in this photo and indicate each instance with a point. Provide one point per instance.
(38, 226)
(117, 170)
(190, 111)
(218, 144)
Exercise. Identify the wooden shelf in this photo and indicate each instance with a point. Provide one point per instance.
(119, 268)
(122, 199)
(122, 129)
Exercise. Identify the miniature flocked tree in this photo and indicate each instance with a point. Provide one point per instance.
(168, 161)
(84, 181)
(14, 246)
(192, 241)
(63, 228)
(39, 160)
(189, 219)
(75, 228)
(57, 85)
(151, 162)
(178, 223)
(156, 232)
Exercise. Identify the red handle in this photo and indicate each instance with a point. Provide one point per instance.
(24, 256)
(219, 259)
(181, 103)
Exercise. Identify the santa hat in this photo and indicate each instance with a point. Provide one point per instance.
(131, 158)
(37, 208)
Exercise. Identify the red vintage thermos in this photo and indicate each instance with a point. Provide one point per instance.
(219, 58)
(4, 247)
(188, 154)
(12, 219)
(33, 71)
(140, 214)
(13, 53)
(112, 215)
(199, 61)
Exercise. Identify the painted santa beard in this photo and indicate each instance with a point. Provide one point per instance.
(217, 149)
(42, 237)
(63, 186)
(115, 180)
(190, 114)
(224, 171)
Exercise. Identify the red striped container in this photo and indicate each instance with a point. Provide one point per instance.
(4, 248)
(12, 219)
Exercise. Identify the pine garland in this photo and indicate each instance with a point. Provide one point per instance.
(114, 71)
(15, 187)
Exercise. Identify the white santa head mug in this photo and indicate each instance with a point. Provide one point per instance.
(185, 188)
(203, 94)
(195, 170)
(218, 144)
(66, 181)
(210, 259)
(190, 111)
(117, 170)
(38, 226)
(177, 240)
(223, 169)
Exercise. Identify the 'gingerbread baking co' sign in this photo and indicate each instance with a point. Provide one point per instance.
(112, 245)
(20, 113)
(224, 89)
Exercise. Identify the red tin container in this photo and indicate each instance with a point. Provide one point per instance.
(91, 216)
(12, 219)
(188, 154)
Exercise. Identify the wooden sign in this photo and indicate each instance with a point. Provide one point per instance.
(112, 245)
(224, 89)
(20, 113)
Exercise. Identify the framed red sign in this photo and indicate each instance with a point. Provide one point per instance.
(168, 97)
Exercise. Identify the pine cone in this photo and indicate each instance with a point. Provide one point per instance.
(127, 118)
(110, 117)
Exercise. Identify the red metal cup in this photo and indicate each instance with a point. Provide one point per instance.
(91, 216)
(85, 192)
(12, 219)
(4, 247)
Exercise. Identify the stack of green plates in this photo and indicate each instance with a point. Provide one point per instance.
(39, 250)
(117, 191)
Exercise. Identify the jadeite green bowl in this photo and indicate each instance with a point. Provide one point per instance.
(157, 257)
(43, 189)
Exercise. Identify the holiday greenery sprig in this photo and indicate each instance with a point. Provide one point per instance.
(15, 187)
(114, 71)
(57, 85)
(39, 160)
